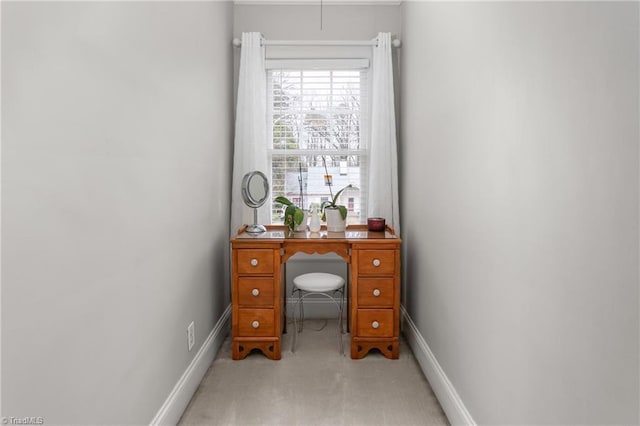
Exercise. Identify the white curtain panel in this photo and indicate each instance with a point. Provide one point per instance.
(383, 157)
(250, 146)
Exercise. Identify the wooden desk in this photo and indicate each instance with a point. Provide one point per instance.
(258, 281)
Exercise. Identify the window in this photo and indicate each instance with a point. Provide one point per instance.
(317, 122)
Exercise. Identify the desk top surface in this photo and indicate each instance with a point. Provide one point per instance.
(353, 232)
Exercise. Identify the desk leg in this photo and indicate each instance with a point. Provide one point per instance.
(348, 290)
(284, 297)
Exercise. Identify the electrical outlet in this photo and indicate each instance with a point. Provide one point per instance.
(191, 335)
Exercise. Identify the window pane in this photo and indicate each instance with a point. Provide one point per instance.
(321, 112)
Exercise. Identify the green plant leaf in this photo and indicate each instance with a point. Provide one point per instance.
(335, 198)
(343, 212)
(298, 216)
(332, 204)
(283, 200)
(293, 216)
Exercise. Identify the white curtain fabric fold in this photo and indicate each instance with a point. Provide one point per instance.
(383, 157)
(250, 146)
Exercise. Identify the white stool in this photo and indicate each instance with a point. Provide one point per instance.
(318, 283)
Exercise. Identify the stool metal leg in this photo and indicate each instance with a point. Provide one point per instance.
(300, 308)
(301, 302)
(339, 306)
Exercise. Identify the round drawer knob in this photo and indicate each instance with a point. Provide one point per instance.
(254, 262)
(255, 292)
(255, 324)
(375, 324)
(376, 262)
(376, 292)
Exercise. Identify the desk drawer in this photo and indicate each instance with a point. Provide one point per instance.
(255, 291)
(256, 322)
(376, 292)
(375, 323)
(376, 262)
(259, 262)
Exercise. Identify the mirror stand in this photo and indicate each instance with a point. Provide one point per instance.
(255, 228)
(255, 191)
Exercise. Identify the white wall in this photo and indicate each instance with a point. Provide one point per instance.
(520, 171)
(302, 22)
(116, 138)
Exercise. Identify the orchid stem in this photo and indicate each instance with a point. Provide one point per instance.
(326, 172)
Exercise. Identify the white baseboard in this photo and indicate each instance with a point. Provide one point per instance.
(178, 399)
(449, 399)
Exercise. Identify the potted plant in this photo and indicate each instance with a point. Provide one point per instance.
(293, 215)
(334, 214)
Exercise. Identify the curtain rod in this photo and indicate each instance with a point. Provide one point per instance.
(396, 42)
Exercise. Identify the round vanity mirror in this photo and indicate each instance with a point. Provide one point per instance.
(255, 191)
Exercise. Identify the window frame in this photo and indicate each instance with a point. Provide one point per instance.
(362, 65)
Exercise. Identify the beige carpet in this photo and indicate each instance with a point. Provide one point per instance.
(314, 386)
